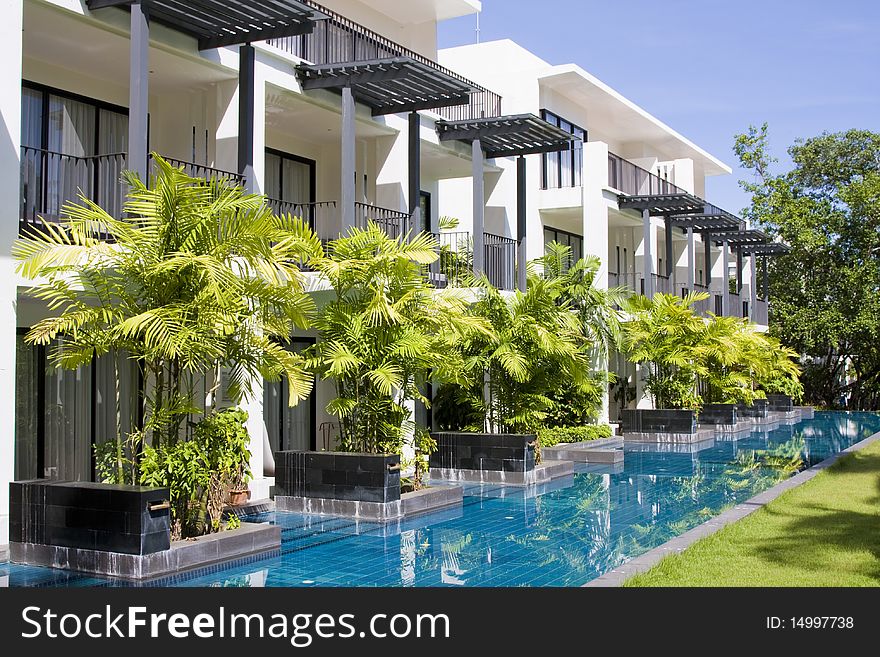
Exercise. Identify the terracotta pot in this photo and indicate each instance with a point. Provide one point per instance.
(239, 497)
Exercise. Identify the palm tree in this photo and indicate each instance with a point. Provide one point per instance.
(197, 276)
(385, 333)
(664, 333)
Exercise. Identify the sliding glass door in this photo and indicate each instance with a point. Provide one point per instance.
(288, 428)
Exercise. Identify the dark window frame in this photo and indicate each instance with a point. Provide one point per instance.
(574, 154)
(313, 167)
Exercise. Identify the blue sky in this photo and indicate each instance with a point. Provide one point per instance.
(710, 68)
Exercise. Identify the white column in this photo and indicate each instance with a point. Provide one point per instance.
(753, 285)
(649, 248)
(692, 257)
(347, 163)
(479, 206)
(725, 278)
(138, 91)
(10, 113)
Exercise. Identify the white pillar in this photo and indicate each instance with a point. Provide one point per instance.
(479, 207)
(347, 162)
(753, 285)
(725, 278)
(691, 257)
(138, 91)
(649, 248)
(10, 114)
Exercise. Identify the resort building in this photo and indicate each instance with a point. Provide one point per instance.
(340, 112)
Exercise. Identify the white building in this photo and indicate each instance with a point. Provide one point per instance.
(285, 104)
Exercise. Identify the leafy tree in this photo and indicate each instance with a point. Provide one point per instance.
(665, 334)
(385, 333)
(533, 352)
(196, 277)
(825, 294)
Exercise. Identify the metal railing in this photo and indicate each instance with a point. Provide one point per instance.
(456, 262)
(700, 307)
(339, 40)
(49, 180)
(194, 170)
(393, 222)
(630, 280)
(500, 261)
(633, 180)
(734, 305)
(761, 313)
(662, 284)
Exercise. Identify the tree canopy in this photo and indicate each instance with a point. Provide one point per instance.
(825, 294)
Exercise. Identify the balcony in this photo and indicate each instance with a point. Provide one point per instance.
(49, 180)
(393, 222)
(761, 313)
(339, 40)
(632, 180)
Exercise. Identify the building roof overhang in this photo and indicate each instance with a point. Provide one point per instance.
(390, 85)
(508, 136)
(219, 23)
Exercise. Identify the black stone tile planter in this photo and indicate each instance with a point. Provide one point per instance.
(780, 403)
(662, 426)
(718, 414)
(117, 531)
(492, 458)
(757, 409)
(352, 485)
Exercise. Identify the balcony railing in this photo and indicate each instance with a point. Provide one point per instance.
(662, 284)
(456, 261)
(700, 307)
(49, 180)
(319, 215)
(761, 313)
(633, 180)
(500, 261)
(339, 39)
(393, 222)
(632, 281)
(194, 170)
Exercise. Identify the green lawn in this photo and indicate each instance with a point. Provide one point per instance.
(823, 533)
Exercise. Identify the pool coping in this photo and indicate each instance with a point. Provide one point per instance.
(679, 544)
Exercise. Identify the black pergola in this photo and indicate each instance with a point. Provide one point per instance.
(508, 136)
(515, 135)
(215, 24)
(768, 249)
(663, 205)
(390, 86)
(218, 23)
(707, 223)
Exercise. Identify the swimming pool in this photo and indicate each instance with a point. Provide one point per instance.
(563, 534)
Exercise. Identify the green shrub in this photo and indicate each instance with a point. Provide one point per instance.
(199, 472)
(548, 437)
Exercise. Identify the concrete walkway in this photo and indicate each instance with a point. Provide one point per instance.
(649, 559)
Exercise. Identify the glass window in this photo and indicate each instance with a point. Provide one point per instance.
(574, 242)
(289, 178)
(288, 428)
(563, 168)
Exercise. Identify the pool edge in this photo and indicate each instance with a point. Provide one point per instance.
(651, 558)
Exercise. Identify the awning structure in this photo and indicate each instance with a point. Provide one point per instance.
(508, 136)
(663, 205)
(769, 249)
(742, 239)
(515, 135)
(218, 23)
(708, 223)
(391, 85)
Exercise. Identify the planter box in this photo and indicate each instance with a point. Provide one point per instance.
(780, 403)
(718, 414)
(658, 421)
(758, 409)
(484, 452)
(346, 476)
(115, 531)
(88, 516)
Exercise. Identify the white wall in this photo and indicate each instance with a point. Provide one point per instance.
(10, 115)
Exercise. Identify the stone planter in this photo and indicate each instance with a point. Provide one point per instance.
(662, 426)
(718, 414)
(352, 485)
(346, 476)
(780, 403)
(758, 409)
(492, 458)
(118, 531)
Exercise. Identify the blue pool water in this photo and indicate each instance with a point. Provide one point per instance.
(564, 534)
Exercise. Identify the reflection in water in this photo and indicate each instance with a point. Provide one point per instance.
(559, 535)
